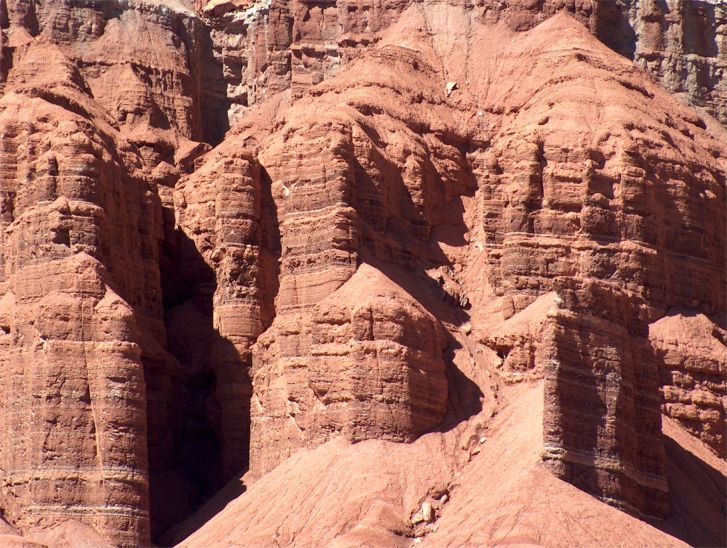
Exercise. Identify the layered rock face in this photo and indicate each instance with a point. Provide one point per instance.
(263, 47)
(266, 46)
(82, 218)
(80, 228)
(223, 217)
(684, 45)
(602, 423)
(691, 354)
(540, 203)
(406, 187)
(372, 367)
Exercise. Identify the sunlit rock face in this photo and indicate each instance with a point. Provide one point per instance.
(236, 231)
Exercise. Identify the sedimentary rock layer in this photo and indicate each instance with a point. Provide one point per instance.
(372, 367)
(602, 421)
(79, 232)
(546, 200)
(691, 354)
(404, 197)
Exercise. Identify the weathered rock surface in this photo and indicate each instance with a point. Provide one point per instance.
(409, 206)
(82, 300)
(691, 351)
(79, 232)
(684, 46)
(372, 367)
(566, 206)
(223, 217)
(262, 47)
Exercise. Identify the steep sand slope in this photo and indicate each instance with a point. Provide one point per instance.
(364, 494)
(506, 498)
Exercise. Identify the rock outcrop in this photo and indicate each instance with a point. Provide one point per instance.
(683, 45)
(559, 215)
(222, 210)
(234, 231)
(691, 354)
(371, 366)
(80, 225)
(263, 47)
(602, 418)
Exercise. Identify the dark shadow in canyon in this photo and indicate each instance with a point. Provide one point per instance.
(699, 25)
(188, 397)
(464, 396)
(697, 497)
(270, 249)
(199, 419)
(233, 489)
(613, 28)
(210, 84)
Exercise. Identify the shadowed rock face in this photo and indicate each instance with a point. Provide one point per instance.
(683, 45)
(408, 205)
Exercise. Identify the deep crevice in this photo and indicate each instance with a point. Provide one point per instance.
(199, 419)
(185, 440)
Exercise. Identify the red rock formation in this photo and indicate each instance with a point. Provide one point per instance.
(83, 221)
(692, 354)
(79, 232)
(418, 203)
(558, 214)
(602, 428)
(371, 367)
(266, 46)
(223, 218)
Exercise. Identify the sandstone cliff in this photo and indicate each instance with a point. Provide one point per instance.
(240, 235)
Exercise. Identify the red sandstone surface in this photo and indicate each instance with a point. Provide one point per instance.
(363, 273)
